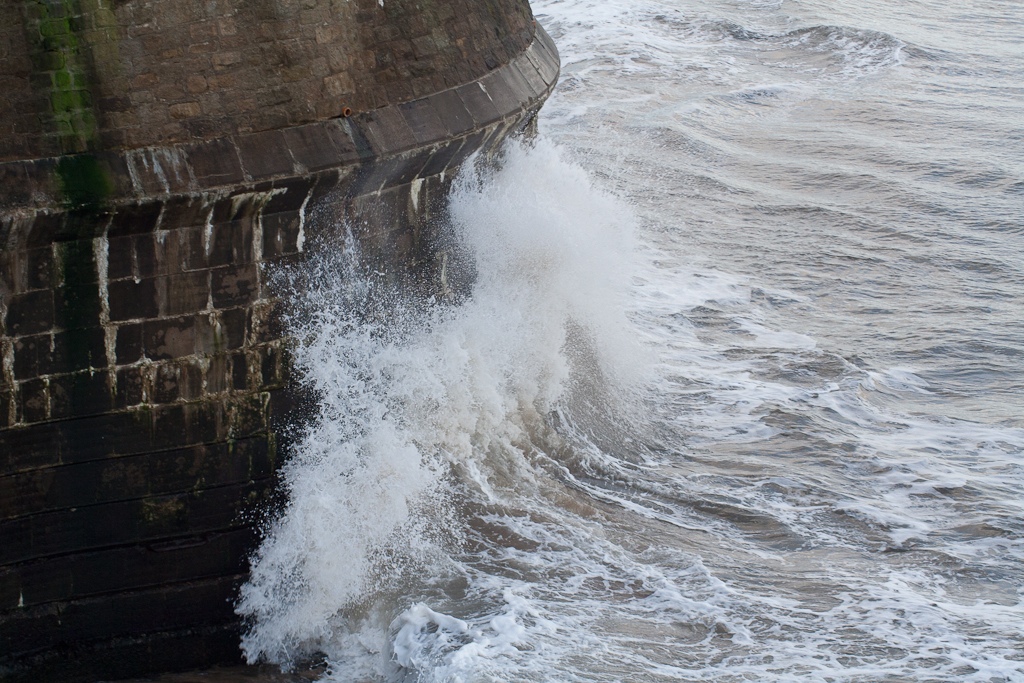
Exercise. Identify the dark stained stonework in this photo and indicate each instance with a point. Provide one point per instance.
(146, 379)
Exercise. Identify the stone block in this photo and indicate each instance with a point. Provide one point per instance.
(504, 97)
(226, 26)
(218, 377)
(26, 355)
(166, 383)
(323, 206)
(215, 163)
(173, 250)
(100, 436)
(6, 408)
(188, 424)
(30, 313)
(280, 234)
(387, 131)
(33, 400)
(145, 81)
(366, 178)
(232, 326)
(426, 85)
(525, 68)
(249, 415)
(76, 307)
(206, 126)
(340, 134)
(268, 118)
(170, 338)
(159, 171)
(239, 371)
(397, 89)
(196, 83)
(120, 257)
(184, 110)
(264, 323)
(192, 248)
(147, 255)
(14, 183)
(45, 226)
(404, 168)
(202, 31)
(518, 84)
(27, 447)
(235, 285)
(185, 212)
(423, 121)
(295, 195)
(312, 147)
(540, 62)
(339, 84)
(208, 336)
(231, 243)
(352, 137)
(77, 264)
(130, 387)
(478, 103)
(547, 55)
(128, 343)
(271, 375)
(80, 394)
(185, 293)
(265, 154)
(452, 112)
(130, 300)
(28, 630)
(115, 168)
(447, 157)
(190, 380)
(224, 60)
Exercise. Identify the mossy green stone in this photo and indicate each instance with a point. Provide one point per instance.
(86, 184)
(51, 28)
(59, 54)
(62, 79)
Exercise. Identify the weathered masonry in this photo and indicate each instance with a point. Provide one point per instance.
(156, 158)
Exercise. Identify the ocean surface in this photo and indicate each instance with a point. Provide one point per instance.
(738, 391)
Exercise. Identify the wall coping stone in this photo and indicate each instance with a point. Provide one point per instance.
(30, 189)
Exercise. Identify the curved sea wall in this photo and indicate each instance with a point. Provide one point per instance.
(156, 160)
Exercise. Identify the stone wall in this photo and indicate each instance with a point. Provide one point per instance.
(82, 75)
(146, 384)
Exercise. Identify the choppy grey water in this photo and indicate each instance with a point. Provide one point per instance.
(739, 391)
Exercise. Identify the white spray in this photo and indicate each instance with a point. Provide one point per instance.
(411, 400)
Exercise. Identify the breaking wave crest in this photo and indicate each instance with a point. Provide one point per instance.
(425, 409)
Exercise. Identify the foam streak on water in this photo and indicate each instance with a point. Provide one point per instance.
(737, 394)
